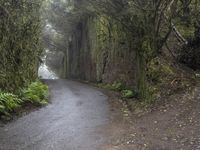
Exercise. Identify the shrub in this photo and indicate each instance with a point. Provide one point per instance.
(36, 93)
(9, 102)
(128, 94)
(159, 70)
(117, 86)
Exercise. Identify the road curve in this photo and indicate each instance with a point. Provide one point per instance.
(72, 121)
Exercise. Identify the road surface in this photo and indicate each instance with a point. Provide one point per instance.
(74, 120)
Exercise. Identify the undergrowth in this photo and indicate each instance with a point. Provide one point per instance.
(120, 87)
(35, 93)
(163, 79)
(9, 102)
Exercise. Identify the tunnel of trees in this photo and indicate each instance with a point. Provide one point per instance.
(103, 41)
(127, 74)
(109, 41)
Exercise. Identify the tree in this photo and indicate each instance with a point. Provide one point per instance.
(150, 23)
(19, 42)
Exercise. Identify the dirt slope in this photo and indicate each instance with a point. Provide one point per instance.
(175, 125)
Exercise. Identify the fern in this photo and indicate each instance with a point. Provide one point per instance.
(128, 94)
(9, 102)
(36, 93)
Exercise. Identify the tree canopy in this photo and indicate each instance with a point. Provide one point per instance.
(150, 23)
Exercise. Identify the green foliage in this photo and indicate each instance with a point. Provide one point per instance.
(186, 31)
(128, 94)
(9, 102)
(116, 86)
(158, 71)
(36, 93)
(119, 87)
(147, 24)
(19, 42)
(105, 86)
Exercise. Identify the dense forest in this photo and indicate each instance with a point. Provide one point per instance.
(120, 41)
(20, 48)
(109, 42)
(145, 52)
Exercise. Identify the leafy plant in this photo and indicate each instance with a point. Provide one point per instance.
(20, 44)
(36, 93)
(9, 102)
(117, 86)
(128, 94)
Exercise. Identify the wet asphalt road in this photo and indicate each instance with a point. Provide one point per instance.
(72, 121)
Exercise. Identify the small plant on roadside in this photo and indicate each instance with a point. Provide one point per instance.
(36, 93)
(128, 94)
(105, 86)
(9, 102)
(117, 86)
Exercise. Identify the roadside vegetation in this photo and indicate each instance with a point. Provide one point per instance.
(146, 51)
(36, 94)
(20, 48)
(162, 36)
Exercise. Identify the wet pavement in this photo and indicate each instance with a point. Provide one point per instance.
(74, 120)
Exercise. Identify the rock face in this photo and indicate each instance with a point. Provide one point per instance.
(98, 51)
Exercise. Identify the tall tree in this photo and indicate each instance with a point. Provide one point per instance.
(19, 42)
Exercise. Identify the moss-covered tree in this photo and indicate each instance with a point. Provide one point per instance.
(20, 47)
(147, 23)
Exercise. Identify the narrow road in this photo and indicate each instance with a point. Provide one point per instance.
(74, 120)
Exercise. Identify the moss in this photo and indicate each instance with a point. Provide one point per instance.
(19, 43)
(112, 45)
(187, 31)
(159, 71)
